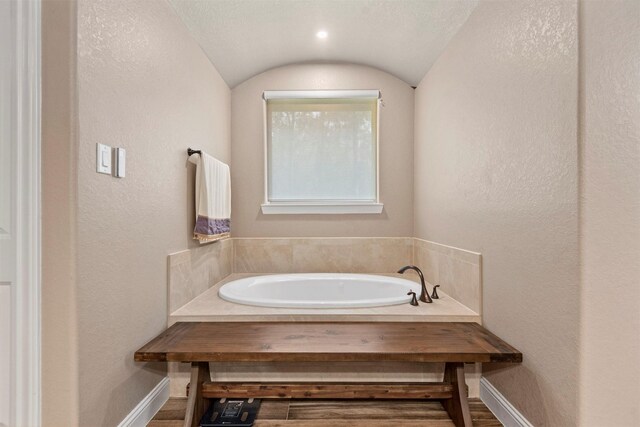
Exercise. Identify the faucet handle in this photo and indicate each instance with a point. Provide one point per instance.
(414, 300)
(434, 294)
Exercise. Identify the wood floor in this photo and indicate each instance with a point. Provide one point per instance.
(332, 413)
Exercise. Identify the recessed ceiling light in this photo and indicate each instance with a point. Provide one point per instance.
(322, 34)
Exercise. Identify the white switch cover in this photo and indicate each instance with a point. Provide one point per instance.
(121, 156)
(103, 159)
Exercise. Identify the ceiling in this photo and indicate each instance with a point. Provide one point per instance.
(246, 37)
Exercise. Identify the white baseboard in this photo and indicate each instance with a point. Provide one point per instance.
(148, 407)
(504, 411)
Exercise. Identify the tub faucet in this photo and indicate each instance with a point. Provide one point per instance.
(414, 300)
(424, 295)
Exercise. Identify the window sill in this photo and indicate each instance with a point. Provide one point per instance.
(324, 208)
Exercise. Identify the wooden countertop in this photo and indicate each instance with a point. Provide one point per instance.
(327, 341)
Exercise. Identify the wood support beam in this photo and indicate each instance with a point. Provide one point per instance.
(196, 403)
(328, 390)
(457, 406)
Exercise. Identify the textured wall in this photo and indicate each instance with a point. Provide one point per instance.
(610, 212)
(145, 85)
(59, 183)
(496, 172)
(395, 145)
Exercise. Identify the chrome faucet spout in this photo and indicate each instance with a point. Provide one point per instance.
(424, 294)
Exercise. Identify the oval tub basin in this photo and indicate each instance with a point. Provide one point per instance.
(319, 290)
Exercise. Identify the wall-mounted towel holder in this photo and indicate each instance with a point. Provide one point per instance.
(190, 151)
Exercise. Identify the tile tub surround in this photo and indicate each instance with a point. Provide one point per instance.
(193, 271)
(457, 271)
(321, 255)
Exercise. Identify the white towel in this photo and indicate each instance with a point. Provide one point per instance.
(213, 198)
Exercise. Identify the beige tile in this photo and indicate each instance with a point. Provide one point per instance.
(427, 261)
(225, 260)
(200, 272)
(458, 272)
(179, 257)
(303, 255)
(469, 289)
(380, 255)
(180, 285)
(210, 307)
(322, 255)
(450, 251)
(263, 256)
(351, 255)
(460, 280)
(194, 271)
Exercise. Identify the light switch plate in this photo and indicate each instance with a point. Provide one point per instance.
(103, 159)
(121, 156)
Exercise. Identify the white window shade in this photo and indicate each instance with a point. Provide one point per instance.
(322, 152)
(320, 94)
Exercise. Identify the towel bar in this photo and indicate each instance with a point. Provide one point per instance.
(190, 151)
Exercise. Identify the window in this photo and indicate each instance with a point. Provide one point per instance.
(321, 152)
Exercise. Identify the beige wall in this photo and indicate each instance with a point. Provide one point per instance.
(396, 150)
(497, 163)
(496, 169)
(610, 212)
(59, 197)
(142, 84)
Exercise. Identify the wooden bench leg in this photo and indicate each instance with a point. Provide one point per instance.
(457, 406)
(196, 403)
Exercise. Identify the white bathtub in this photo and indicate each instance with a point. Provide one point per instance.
(319, 290)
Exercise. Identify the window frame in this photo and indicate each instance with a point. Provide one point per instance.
(320, 206)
